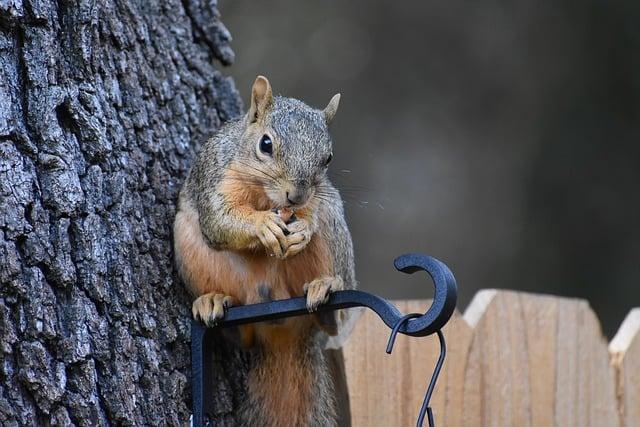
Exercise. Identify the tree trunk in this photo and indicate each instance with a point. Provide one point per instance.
(103, 105)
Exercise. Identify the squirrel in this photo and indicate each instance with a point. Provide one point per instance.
(259, 220)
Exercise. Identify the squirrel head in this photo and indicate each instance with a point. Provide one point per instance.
(287, 147)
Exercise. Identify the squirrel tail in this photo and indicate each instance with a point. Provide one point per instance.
(290, 385)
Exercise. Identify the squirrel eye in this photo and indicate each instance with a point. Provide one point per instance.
(326, 163)
(266, 146)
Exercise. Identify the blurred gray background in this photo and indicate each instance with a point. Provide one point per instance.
(500, 137)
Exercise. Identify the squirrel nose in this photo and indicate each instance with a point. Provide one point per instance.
(295, 197)
(298, 191)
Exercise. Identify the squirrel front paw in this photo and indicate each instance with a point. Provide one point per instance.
(298, 238)
(271, 233)
(210, 307)
(318, 291)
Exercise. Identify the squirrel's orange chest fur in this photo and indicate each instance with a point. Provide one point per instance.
(248, 276)
(253, 277)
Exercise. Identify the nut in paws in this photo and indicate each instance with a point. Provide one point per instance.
(298, 238)
(272, 233)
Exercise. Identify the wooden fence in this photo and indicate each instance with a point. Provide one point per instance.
(513, 359)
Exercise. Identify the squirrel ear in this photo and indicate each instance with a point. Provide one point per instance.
(261, 98)
(331, 108)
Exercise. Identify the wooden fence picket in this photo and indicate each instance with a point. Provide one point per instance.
(625, 358)
(513, 359)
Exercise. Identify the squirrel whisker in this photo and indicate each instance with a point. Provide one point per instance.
(248, 178)
(255, 168)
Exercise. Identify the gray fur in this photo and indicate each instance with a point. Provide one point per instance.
(302, 145)
(304, 139)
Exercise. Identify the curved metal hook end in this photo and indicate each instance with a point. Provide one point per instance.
(425, 409)
(444, 297)
(396, 327)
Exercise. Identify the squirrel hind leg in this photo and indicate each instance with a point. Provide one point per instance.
(327, 321)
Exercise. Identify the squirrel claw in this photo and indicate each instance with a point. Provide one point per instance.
(210, 308)
(271, 233)
(318, 291)
(299, 237)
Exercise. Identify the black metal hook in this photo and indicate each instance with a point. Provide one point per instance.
(396, 328)
(425, 409)
(444, 301)
(415, 324)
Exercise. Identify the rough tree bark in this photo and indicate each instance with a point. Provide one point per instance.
(102, 107)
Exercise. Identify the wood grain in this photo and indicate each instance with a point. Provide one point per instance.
(625, 358)
(388, 389)
(514, 359)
